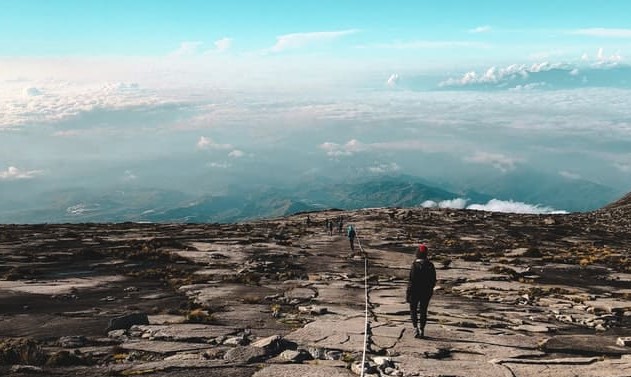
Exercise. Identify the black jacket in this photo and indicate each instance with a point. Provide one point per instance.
(422, 280)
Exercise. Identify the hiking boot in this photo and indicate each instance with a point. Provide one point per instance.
(418, 334)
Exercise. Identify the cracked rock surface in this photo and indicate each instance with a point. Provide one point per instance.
(517, 295)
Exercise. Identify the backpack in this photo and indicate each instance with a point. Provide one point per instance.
(351, 232)
(424, 275)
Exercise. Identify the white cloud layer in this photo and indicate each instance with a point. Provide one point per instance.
(53, 101)
(12, 173)
(493, 205)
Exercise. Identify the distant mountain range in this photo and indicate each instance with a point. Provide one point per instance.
(247, 203)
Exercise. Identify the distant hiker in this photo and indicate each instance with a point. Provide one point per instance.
(340, 225)
(308, 221)
(420, 290)
(351, 236)
(330, 226)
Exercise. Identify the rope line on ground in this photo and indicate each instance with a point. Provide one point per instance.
(363, 365)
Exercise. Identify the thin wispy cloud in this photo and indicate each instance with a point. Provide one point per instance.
(497, 160)
(569, 174)
(480, 29)
(32, 92)
(236, 154)
(348, 149)
(208, 143)
(12, 173)
(427, 44)
(187, 48)
(129, 176)
(602, 32)
(299, 40)
(384, 168)
(219, 165)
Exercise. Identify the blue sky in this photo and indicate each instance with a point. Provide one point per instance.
(150, 28)
(227, 88)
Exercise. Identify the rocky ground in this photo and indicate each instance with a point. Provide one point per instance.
(518, 295)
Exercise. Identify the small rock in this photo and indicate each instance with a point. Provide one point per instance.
(240, 340)
(213, 353)
(356, 367)
(26, 369)
(532, 328)
(333, 355)
(295, 356)
(269, 342)
(314, 310)
(183, 356)
(624, 341)
(440, 353)
(316, 352)
(72, 341)
(128, 320)
(117, 334)
(382, 361)
(247, 354)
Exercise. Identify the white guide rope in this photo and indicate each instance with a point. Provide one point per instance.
(363, 365)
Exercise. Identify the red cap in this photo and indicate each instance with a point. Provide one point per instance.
(422, 248)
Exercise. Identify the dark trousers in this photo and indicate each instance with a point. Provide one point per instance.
(418, 310)
(352, 240)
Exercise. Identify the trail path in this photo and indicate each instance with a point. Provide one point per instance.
(275, 299)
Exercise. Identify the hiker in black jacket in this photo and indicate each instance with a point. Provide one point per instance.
(420, 290)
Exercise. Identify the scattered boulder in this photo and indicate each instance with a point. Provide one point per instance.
(126, 321)
(21, 351)
(246, 354)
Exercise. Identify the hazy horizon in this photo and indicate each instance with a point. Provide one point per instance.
(200, 98)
